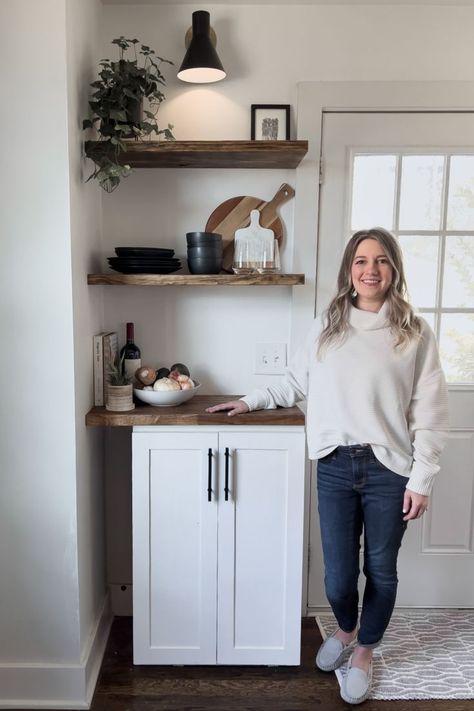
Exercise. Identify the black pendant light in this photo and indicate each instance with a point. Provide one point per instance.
(201, 65)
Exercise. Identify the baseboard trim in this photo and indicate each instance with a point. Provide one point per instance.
(95, 650)
(57, 686)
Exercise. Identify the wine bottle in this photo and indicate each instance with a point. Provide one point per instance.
(130, 353)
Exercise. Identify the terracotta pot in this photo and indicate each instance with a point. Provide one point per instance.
(119, 398)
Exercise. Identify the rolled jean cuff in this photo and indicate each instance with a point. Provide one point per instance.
(369, 646)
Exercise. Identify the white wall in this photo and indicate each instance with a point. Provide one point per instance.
(38, 576)
(51, 519)
(266, 50)
(83, 22)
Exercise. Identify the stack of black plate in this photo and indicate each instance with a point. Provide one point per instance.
(144, 260)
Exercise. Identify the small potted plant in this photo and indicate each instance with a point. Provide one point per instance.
(119, 394)
(118, 110)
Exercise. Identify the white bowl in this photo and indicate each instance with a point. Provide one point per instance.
(166, 398)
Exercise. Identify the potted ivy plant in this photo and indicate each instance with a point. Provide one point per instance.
(118, 110)
(119, 392)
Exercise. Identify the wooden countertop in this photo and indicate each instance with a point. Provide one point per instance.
(193, 413)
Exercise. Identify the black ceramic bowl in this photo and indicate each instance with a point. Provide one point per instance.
(211, 264)
(194, 239)
(206, 250)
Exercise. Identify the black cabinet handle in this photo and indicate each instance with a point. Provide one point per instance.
(226, 485)
(209, 474)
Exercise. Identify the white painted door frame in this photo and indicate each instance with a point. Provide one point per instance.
(313, 100)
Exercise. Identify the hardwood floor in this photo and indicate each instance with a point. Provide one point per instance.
(125, 687)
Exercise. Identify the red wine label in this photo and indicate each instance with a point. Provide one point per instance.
(131, 365)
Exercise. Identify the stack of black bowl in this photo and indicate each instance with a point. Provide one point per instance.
(204, 252)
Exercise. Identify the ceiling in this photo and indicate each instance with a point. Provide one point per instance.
(291, 3)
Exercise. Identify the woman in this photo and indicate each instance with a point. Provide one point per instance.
(377, 423)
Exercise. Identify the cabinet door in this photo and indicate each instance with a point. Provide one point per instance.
(174, 548)
(260, 548)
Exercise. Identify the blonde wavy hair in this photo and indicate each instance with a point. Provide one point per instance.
(404, 324)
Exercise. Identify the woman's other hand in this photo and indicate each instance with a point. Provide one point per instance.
(235, 407)
(414, 505)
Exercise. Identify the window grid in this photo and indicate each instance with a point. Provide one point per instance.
(442, 246)
(442, 233)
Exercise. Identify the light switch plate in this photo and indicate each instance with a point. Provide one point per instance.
(270, 358)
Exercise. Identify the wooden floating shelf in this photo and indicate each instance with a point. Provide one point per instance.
(193, 412)
(196, 279)
(211, 154)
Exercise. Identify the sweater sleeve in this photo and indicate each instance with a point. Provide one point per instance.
(428, 418)
(294, 386)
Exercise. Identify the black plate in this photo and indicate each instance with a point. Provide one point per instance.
(118, 261)
(144, 270)
(143, 252)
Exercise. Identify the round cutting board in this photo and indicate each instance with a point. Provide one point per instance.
(234, 214)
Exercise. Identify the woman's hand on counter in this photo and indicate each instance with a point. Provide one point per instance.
(235, 407)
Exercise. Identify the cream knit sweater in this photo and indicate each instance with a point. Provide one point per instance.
(365, 391)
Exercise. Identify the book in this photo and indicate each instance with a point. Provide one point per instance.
(111, 355)
(98, 345)
(105, 345)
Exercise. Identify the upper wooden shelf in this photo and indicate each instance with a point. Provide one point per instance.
(212, 154)
(196, 279)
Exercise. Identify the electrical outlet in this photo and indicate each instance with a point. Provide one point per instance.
(270, 358)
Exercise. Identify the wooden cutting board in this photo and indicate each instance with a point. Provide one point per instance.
(234, 214)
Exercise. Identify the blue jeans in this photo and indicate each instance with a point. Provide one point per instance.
(356, 492)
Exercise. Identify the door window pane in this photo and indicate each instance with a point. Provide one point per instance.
(429, 318)
(457, 347)
(420, 194)
(420, 257)
(461, 193)
(373, 191)
(458, 283)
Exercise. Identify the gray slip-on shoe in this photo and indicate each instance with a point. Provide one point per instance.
(332, 653)
(356, 684)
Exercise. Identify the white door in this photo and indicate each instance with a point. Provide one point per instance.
(174, 548)
(413, 173)
(260, 547)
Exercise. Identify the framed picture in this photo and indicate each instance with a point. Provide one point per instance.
(270, 122)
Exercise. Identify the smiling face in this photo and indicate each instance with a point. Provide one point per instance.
(371, 274)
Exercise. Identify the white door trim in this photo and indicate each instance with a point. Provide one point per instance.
(313, 100)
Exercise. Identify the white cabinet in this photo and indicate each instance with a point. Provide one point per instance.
(217, 544)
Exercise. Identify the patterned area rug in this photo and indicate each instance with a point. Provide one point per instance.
(424, 655)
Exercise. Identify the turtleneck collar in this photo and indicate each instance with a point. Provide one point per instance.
(369, 320)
